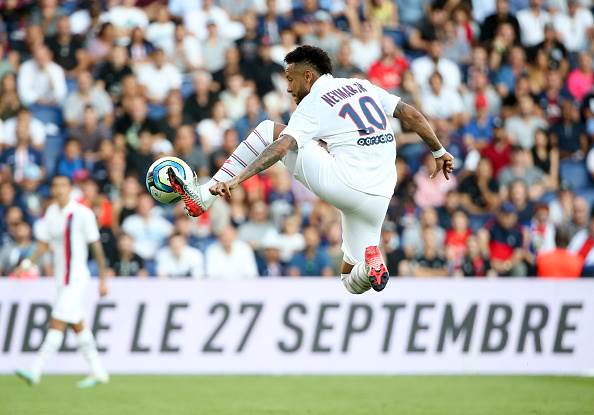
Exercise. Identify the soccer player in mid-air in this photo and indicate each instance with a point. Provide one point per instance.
(340, 145)
(67, 228)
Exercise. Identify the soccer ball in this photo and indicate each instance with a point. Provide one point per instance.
(157, 181)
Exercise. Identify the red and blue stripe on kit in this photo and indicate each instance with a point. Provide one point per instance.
(68, 248)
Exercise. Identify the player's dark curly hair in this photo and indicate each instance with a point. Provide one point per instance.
(311, 55)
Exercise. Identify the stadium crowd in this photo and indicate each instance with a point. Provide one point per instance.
(97, 90)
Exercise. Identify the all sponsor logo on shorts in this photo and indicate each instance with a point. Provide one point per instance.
(376, 139)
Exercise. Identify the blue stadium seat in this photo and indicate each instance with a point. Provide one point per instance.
(156, 112)
(187, 87)
(54, 145)
(575, 174)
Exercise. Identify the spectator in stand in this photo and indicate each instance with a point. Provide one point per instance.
(41, 81)
(431, 192)
(456, 45)
(257, 227)
(559, 262)
(275, 26)
(575, 28)
(569, 134)
(412, 236)
(187, 52)
(23, 121)
(367, 43)
(230, 258)
(314, 260)
(265, 70)
(288, 43)
(492, 22)
(480, 191)
(125, 17)
(344, 67)
(68, 49)
(174, 117)
(553, 97)
(214, 47)
(442, 102)
(269, 261)
(235, 96)
(425, 66)
(456, 239)
(128, 263)
(9, 97)
(541, 230)
(19, 247)
(291, 240)
(518, 196)
(532, 23)
(147, 227)
(71, 162)
(198, 105)
(503, 237)
(253, 116)
(185, 148)
(199, 21)
(476, 263)
(179, 260)
(387, 71)
(46, 15)
(482, 95)
(523, 126)
(430, 263)
(521, 168)
(139, 49)
(158, 77)
(87, 95)
(212, 130)
(546, 157)
(112, 72)
(581, 79)
(580, 217)
(101, 44)
(127, 127)
(160, 32)
(323, 34)
(15, 160)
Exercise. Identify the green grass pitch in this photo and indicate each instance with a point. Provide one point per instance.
(341, 395)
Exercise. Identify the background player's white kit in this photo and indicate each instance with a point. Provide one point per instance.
(67, 228)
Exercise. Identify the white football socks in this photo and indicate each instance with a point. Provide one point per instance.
(246, 152)
(51, 344)
(357, 282)
(87, 347)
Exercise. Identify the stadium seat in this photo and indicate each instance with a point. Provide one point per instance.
(575, 174)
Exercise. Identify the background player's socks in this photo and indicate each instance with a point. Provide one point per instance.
(86, 345)
(51, 344)
(246, 152)
(357, 281)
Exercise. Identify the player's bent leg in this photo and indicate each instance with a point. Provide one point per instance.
(51, 344)
(198, 198)
(88, 348)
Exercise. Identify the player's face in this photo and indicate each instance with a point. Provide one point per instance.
(299, 81)
(61, 189)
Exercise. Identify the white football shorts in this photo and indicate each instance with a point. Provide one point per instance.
(362, 214)
(70, 302)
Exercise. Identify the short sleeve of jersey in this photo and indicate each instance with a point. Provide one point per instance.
(91, 231)
(304, 124)
(40, 230)
(387, 101)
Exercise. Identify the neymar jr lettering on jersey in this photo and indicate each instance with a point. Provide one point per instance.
(335, 96)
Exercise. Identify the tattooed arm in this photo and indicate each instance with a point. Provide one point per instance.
(271, 154)
(412, 119)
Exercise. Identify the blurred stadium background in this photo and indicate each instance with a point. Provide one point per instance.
(97, 90)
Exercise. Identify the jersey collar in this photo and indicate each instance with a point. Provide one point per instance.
(321, 81)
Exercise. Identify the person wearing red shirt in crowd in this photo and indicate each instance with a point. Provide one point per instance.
(456, 238)
(559, 262)
(387, 71)
(499, 149)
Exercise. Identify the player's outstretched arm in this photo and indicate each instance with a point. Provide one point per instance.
(271, 154)
(413, 120)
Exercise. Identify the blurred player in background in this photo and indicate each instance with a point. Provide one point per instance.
(340, 145)
(67, 228)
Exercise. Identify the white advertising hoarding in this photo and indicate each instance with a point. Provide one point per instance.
(313, 326)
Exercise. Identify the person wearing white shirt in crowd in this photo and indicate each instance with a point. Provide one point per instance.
(148, 228)
(180, 260)
(161, 32)
(8, 135)
(211, 130)
(423, 67)
(87, 94)
(287, 44)
(41, 81)
(196, 22)
(234, 98)
(532, 23)
(67, 228)
(440, 101)
(159, 77)
(367, 43)
(575, 28)
(230, 258)
(125, 17)
(187, 52)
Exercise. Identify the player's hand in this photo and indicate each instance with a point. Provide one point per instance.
(223, 189)
(444, 163)
(103, 287)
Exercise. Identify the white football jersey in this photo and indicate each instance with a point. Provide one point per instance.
(68, 232)
(352, 117)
